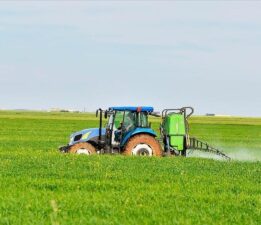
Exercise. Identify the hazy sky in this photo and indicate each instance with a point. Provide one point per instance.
(76, 54)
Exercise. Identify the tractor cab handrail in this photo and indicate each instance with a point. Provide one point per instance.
(165, 112)
(189, 108)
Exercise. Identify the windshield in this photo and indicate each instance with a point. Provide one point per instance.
(118, 119)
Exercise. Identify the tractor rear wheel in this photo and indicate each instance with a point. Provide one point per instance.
(82, 148)
(143, 144)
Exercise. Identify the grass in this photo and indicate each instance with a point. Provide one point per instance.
(38, 185)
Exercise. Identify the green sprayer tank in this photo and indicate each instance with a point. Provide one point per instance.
(175, 130)
(174, 127)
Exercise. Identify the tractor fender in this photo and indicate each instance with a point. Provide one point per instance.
(136, 131)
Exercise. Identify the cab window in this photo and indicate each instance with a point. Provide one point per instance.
(118, 119)
(144, 119)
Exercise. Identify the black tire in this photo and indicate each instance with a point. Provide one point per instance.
(143, 144)
(82, 148)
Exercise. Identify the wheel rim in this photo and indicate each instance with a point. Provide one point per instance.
(83, 151)
(142, 150)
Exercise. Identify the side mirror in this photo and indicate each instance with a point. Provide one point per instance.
(97, 112)
(106, 114)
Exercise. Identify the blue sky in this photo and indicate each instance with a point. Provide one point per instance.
(87, 54)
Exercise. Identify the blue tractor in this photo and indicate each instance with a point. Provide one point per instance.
(127, 131)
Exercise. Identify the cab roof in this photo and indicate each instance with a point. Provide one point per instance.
(132, 108)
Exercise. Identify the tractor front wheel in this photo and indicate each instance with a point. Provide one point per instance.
(82, 148)
(143, 144)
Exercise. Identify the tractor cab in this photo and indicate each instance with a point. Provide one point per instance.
(123, 123)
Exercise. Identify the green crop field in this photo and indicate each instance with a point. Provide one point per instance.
(39, 185)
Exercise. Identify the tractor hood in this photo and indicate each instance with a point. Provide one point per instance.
(85, 135)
